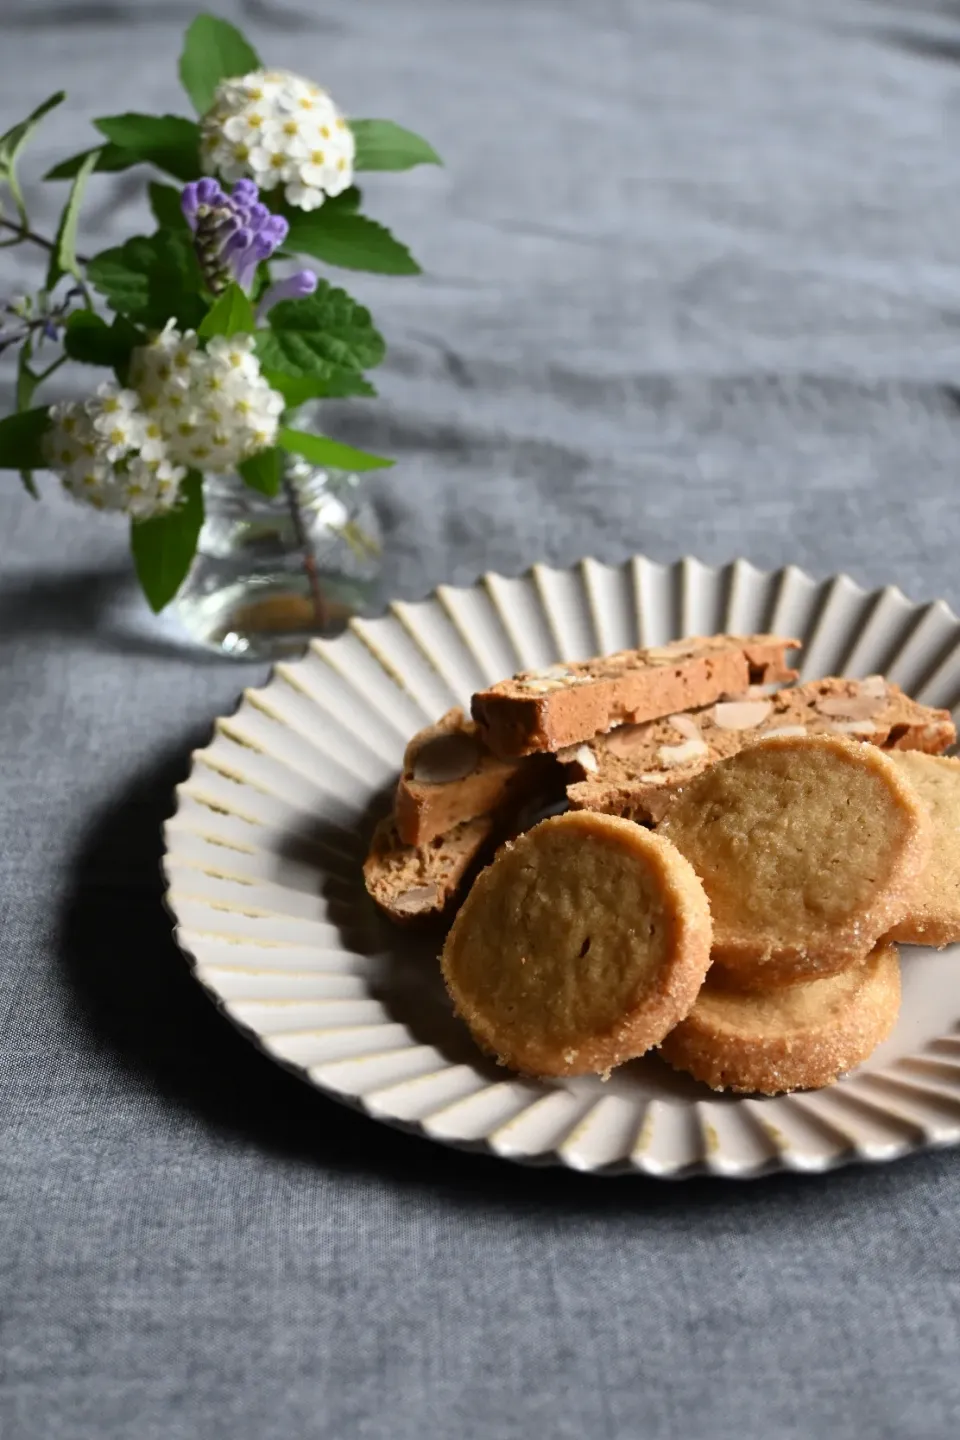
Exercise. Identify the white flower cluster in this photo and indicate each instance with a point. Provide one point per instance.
(279, 129)
(189, 409)
(109, 454)
(211, 407)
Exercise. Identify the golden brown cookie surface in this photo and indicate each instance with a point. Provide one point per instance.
(808, 850)
(934, 914)
(580, 947)
(788, 1039)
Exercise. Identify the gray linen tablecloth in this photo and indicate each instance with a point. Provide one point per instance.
(691, 286)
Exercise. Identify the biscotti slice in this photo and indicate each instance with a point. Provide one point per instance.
(566, 704)
(934, 914)
(450, 776)
(809, 850)
(416, 883)
(793, 1039)
(633, 771)
(580, 947)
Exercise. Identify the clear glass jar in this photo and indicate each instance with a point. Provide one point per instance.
(270, 572)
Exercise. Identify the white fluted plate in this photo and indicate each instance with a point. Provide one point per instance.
(263, 868)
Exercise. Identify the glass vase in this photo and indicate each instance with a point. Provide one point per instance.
(272, 571)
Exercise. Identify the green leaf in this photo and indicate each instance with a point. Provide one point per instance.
(27, 382)
(89, 339)
(21, 439)
(110, 158)
(152, 279)
(298, 389)
(165, 204)
(327, 335)
(351, 241)
(164, 546)
(348, 200)
(213, 50)
(382, 145)
(262, 471)
(63, 258)
(171, 142)
(12, 143)
(231, 315)
(321, 450)
(128, 337)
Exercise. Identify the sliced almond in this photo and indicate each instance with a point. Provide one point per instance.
(669, 755)
(792, 730)
(416, 899)
(585, 758)
(549, 672)
(853, 727)
(874, 685)
(686, 726)
(741, 714)
(757, 692)
(542, 687)
(676, 650)
(651, 778)
(849, 707)
(625, 739)
(446, 759)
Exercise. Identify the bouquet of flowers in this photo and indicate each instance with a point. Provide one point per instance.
(209, 350)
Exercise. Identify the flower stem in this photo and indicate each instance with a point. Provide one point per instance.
(22, 233)
(309, 559)
(45, 374)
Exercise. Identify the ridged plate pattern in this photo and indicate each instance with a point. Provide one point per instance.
(263, 857)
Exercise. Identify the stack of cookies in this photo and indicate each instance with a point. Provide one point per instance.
(799, 832)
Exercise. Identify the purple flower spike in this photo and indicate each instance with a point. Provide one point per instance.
(232, 233)
(295, 287)
(277, 228)
(189, 200)
(197, 197)
(209, 192)
(237, 243)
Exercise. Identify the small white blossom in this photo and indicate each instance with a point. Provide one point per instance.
(279, 129)
(233, 355)
(149, 489)
(129, 449)
(109, 455)
(209, 409)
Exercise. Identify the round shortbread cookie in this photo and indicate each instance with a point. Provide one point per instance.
(580, 947)
(934, 914)
(809, 850)
(789, 1039)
